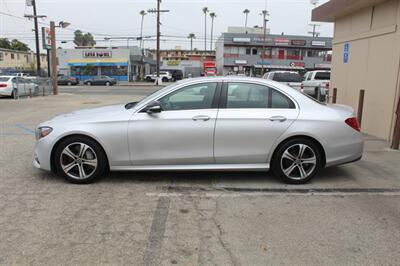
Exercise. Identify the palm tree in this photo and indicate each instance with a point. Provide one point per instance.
(205, 11)
(191, 37)
(213, 16)
(142, 13)
(246, 13)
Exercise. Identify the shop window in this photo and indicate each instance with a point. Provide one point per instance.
(254, 51)
(12, 56)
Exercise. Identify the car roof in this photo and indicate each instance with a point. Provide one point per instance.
(7, 76)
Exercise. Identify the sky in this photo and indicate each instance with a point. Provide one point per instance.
(120, 18)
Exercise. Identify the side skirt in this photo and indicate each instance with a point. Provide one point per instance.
(200, 167)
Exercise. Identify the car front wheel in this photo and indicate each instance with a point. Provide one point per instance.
(297, 161)
(80, 160)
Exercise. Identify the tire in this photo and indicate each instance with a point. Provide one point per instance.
(164, 79)
(79, 168)
(291, 167)
(148, 79)
(69, 83)
(89, 83)
(108, 83)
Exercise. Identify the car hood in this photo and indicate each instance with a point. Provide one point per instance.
(92, 114)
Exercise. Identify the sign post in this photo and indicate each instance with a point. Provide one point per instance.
(46, 44)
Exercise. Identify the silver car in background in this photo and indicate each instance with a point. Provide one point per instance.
(221, 123)
(13, 86)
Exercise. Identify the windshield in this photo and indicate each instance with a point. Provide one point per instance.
(287, 77)
(4, 79)
(323, 76)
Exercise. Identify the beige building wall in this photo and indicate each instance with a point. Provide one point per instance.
(20, 60)
(373, 64)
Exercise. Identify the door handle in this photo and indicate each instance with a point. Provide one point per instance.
(277, 118)
(201, 117)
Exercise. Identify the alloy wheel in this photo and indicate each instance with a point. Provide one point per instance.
(78, 160)
(298, 161)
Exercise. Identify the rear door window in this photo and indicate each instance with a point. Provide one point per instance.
(323, 76)
(246, 96)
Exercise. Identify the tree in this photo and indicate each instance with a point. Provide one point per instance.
(5, 43)
(213, 16)
(205, 11)
(13, 45)
(191, 37)
(19, 46)
(246, 13)
(86, 39)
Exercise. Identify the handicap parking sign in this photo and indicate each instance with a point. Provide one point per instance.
(346, 53)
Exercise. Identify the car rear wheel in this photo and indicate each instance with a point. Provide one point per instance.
(164, 79)
(80, 160)
(297, 161)
(148, 79)
(108, 83)
(69, 83)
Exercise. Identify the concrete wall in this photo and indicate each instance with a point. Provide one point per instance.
(373, 65)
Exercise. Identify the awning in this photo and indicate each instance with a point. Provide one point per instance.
(98, 62)
(280, 67)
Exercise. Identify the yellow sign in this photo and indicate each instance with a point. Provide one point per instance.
(173, 62)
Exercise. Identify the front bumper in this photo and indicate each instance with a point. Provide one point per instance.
(42, 153)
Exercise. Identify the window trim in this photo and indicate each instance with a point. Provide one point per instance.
(214, 105)
(224, 96)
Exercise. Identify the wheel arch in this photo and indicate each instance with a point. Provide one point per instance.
(52, 166)
(319, 145)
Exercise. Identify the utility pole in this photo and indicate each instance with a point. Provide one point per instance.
(53, 57)
(158, 11)
(265, 20)
(314, 32)
(35, 17)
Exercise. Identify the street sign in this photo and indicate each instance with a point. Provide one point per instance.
(46, 38)
(346, 52)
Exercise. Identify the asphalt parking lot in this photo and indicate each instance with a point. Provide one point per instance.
(349, 215)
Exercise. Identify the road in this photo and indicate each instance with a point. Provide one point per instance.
(348, 215)
(110, 90)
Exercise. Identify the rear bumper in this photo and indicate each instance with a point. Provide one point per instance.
(348, 151)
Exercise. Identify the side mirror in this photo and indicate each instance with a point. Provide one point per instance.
(154, 107)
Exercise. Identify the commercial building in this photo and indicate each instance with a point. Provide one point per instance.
(121, 63)
(366, 55)
(240, 50)
(12, 61)
(190, 62)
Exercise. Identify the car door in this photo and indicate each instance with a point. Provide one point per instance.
(250, 119)
(182, 133)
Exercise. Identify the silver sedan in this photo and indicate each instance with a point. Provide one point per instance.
(222, 123)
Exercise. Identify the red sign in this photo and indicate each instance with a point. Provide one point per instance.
(299, 42)
(281, 40)
(209, 64)
(297, 64)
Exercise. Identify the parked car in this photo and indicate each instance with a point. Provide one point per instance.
(225, 123)
(176, 74)
(67, 80)
(101, 80)
(317, 83)
(164, 75)
(13, 86)
(20, 74)
(290, 78)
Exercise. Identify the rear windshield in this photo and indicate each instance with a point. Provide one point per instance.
(287, 77)
(323, 76)
(3, 79)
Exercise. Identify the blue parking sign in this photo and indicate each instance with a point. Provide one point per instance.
(346, 52)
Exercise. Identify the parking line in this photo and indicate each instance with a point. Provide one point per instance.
(29, 130)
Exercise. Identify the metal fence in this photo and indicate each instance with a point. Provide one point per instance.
(32, 86)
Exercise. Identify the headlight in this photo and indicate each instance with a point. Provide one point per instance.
(42, 132)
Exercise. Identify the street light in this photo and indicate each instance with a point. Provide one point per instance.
(61, 24)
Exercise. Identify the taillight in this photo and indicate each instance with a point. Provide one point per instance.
(353, 123)
(3, 85)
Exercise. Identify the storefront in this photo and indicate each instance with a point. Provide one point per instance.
(88, 63)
